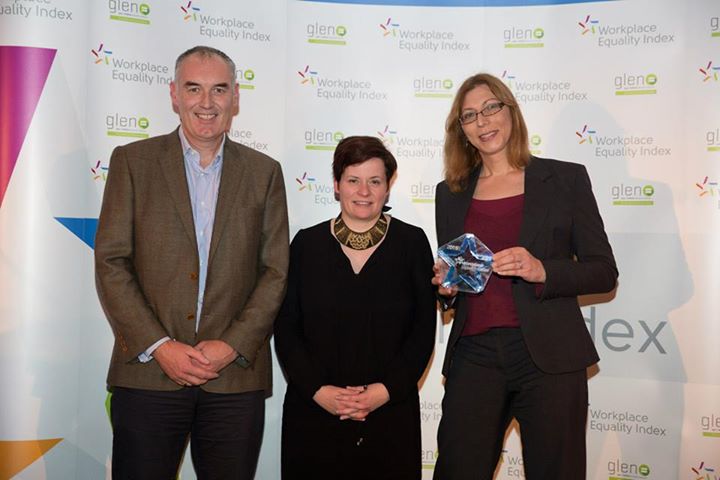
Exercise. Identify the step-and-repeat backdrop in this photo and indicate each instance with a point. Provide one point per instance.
(630, 89)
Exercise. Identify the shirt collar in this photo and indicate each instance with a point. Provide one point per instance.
(190, 153)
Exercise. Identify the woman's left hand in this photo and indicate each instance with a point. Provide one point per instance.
(366, 399)
(518, 262)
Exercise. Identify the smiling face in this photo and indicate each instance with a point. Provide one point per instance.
(362, 191)
(489, 135)
(204, 97)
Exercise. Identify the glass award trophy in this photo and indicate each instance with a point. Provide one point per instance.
(466, 263)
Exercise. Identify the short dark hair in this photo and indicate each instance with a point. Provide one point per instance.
(206, 52)
(358, 149)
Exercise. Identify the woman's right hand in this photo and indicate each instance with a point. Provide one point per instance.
(438, 279)
(327, 397)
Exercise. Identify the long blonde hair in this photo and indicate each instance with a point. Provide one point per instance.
(460, 156)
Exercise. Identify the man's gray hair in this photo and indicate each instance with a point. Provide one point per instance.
(206, 52)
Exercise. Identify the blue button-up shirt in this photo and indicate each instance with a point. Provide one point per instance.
(203, 186)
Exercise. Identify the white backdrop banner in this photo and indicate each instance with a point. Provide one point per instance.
(630, 89)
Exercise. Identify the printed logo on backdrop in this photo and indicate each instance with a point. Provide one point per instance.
(535, 142)
(635, 84)
(612, 35)
(715, 27)
(632, 195)
(126, 126)
(326, 34)
(704, 471)
(190, 12)
(387, 136)
(389, 27)
(588, 26)
(99, 171)
(712, 139)
(307, 76)
(47, 11)
(319, 193)
(128, 11)
(322, 140)
(131, 70)
(195, 17)
(338, 88)
(406, 147)
(245, 78)
(620, 146)
(710, 425)
(548, 91)
(101, 54)
(707, 187)
(585, 135)
(248, 138)
(620, 470)
(430, 414)
(432, 87)
(523, 37)
(511, 465)
(421, 40)
(422, 192)
(624, 423)
(710, 73)
(626, 336)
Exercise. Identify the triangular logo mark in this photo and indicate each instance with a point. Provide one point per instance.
(23, 72)
(83, 228)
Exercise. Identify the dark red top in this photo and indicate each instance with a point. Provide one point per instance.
(497, 224)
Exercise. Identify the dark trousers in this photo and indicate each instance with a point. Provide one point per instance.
(151, 430)
(492, 380)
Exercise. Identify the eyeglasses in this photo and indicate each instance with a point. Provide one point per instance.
(469, 116)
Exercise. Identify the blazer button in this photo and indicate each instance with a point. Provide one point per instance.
(191, 316)
(193, 276)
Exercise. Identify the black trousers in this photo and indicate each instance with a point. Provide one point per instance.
(492, 380)
(151, 430)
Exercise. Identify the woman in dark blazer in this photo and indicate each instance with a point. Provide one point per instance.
(520, 349)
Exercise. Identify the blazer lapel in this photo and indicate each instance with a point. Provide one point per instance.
(538, 196)
(173, 167)
(233, 172)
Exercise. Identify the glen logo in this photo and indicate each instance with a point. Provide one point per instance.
(320, 34)
(514, 37)
(322, 140)
(627, 84)
(131, 12)
(127, 126)
(245, 79)
(432, 87)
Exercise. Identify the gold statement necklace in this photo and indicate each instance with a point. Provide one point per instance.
(360, 240)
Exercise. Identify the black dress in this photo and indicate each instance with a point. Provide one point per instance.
(340, 328)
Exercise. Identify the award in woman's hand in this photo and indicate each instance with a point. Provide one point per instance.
(466, 263)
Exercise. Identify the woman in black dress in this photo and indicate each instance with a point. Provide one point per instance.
(356, 331)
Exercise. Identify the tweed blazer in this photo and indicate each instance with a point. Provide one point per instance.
(147, 265)
(561, 226)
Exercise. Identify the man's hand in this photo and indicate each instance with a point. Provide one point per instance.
(327, 397)
(218, 353)
(184, 365)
